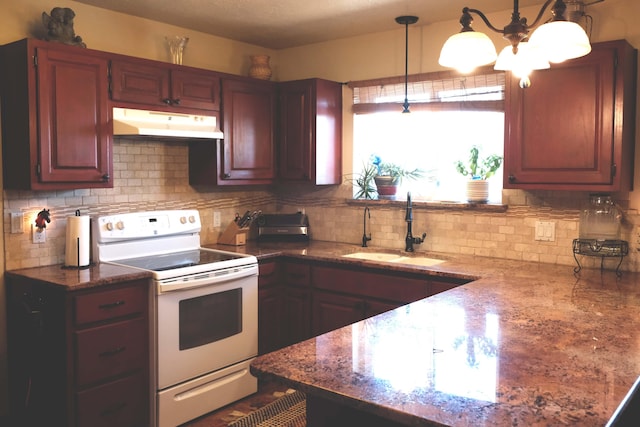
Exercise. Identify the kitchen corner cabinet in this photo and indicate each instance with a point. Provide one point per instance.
(310, 131)
(270, 307)
(573, 129)
(246, 155)
(284, 307)
(79, 358)
(159, 85)
(56, 132)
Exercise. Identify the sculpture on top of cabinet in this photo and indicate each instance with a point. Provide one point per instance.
(59, 26)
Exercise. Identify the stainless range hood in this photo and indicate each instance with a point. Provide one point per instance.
(131, 122)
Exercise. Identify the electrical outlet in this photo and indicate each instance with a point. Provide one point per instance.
(17, 219)
(545, 231)
(39, 236)
(216, 219)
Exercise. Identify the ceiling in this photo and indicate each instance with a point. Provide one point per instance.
(279, 24)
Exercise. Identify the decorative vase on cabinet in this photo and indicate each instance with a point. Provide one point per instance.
(260, 67)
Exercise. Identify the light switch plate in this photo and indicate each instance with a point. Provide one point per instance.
(17, 221)
(545, 231)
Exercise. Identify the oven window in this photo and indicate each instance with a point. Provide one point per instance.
(210, 318)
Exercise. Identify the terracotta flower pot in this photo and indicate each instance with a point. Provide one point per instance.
(386, 186)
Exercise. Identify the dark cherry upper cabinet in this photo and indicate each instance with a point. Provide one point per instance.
(164, 86)
(574, 128)
(246, 155)
(56, 131)
(310, 131)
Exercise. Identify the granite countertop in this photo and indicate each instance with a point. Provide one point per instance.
(524, 344)
(74, 279)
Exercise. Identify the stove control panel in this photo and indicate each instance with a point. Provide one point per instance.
(141, 225)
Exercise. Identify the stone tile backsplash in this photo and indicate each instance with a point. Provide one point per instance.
(154, 175)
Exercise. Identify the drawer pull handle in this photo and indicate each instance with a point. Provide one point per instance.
(113, 352)
(111, 305)
(113, 409)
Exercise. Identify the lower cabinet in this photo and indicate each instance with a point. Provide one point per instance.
(300, 300)
(79, 358)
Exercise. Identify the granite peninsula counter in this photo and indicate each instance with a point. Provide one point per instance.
(526, 344)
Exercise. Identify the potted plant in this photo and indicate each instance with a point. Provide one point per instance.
(478, 170)
(381, 179)
(389, 176)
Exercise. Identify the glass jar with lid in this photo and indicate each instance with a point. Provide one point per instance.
(600, 219)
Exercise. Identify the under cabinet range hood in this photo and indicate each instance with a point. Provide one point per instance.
(132, 122)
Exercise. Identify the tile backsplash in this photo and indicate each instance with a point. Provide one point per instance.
(154, 175)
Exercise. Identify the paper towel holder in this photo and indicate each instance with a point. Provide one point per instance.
(77, 246)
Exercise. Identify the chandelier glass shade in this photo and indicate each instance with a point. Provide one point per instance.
(554, 41)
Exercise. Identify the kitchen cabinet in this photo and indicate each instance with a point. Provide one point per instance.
(56, 132)
(160, 85)
(345, 295)
(573, 129)
(310, 131)
(284, 305)
(246, 156)
(79, 358)
(270, 307)
(300, 300)
(297, 301)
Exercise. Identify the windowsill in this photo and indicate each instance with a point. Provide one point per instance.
(484, 207)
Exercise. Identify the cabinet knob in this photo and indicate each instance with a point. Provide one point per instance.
(167, 101)
(106, 177)
(512, 179)
(226, 176)
(176, 101)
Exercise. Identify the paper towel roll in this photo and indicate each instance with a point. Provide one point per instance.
(78, 242)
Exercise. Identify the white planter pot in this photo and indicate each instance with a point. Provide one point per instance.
(478, 191)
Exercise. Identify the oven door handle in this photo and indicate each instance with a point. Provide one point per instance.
(206, 279)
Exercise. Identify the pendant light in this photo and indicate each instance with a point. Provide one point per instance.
(554, 41)
(406, 21)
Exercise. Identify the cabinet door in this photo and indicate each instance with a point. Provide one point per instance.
(139, 82)
(310, 138)
(248, 153)
(332, 311)
(295, 138)
(566, 130)
(73, 122)
(297, 309)
(270, 308)
(191, 89)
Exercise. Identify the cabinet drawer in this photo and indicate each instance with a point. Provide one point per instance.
(122, 403)
(114, 303)
(296, 274)
(106, 351)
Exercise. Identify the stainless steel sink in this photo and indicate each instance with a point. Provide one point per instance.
(394, 258)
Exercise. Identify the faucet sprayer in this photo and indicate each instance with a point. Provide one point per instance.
(365, 238)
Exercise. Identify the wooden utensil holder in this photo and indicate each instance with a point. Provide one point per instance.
(234, 235)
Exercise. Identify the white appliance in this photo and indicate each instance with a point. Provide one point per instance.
(206, 309)
(130, 122)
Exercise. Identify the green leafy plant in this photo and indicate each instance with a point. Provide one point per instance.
(364, 183)
(395, 171)
(477, 168)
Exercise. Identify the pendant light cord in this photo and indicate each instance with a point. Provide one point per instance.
(406, 20)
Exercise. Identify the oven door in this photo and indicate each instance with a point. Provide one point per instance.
(206, 328)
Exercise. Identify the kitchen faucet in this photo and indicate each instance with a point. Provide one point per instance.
(365, 238)
(410, 240)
